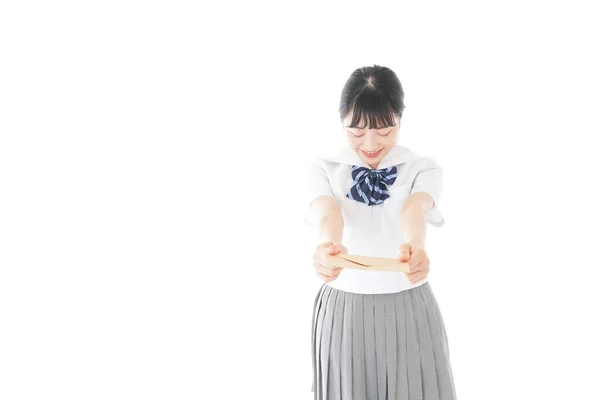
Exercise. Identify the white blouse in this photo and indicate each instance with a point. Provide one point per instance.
(374, 230)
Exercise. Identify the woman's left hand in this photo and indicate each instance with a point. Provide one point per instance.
(417, 259)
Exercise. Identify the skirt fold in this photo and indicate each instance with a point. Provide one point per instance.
(327, 356)
(380, 345)
(359, 389)
(439, 340)
(319, 318)
(316, 314)
(413, 356)
(335, 360)
(390, 346)
(429, 380)
(401, 341)
(369, 346)
(347, 335)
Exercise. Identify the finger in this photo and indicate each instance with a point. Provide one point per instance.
(326, 278)
(334, 249)
(326, 275)
(404, 252)
(322, 255)
(418, 256)
(327, 271)
(421, 267)
(329, 262)
(321, 249)
(414, 273)
(415, 265)
(412, 278)
(418, 264)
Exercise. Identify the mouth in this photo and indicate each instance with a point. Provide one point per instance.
(372, 154)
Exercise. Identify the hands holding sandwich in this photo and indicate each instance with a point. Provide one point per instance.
(412, 253)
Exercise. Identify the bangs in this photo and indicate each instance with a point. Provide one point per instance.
(372, 109)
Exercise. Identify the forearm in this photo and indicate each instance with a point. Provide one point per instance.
(414, 224)
(330, 225)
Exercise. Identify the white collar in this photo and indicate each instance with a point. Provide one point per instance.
(396, 156)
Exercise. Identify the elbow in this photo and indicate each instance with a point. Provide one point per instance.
(420, 201)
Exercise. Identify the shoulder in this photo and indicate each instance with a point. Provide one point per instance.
(321, 164)
(320, 169)
(418, 161)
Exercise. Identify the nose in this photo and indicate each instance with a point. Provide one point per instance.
(371, 141)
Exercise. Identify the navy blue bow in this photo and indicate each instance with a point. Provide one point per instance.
(370, 185)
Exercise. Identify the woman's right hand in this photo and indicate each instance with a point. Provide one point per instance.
(325, 272)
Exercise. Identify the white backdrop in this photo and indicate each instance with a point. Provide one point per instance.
(151, 163)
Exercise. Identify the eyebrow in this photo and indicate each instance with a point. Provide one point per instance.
(354, 127)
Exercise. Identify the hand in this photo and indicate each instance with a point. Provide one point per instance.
(417, 259)
(325, 272)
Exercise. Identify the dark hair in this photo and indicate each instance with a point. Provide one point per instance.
(375, 96)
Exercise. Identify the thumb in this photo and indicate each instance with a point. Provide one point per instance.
(404, 252)
(334, 249)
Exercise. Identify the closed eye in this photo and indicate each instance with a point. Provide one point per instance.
(360, 134)
(355, 135)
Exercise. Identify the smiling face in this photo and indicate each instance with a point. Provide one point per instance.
(371, 145)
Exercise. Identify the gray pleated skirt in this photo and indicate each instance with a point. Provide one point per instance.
(390, 346)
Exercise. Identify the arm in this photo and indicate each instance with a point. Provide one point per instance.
(328, 218)
(413, 217)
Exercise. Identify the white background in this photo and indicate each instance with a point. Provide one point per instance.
(151, 160)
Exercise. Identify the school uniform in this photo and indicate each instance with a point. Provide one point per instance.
(376, 336)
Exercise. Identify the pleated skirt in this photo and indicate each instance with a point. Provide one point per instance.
(390, 346)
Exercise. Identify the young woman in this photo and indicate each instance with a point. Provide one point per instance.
(377, 335)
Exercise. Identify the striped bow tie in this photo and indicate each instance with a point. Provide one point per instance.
(370, 185)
